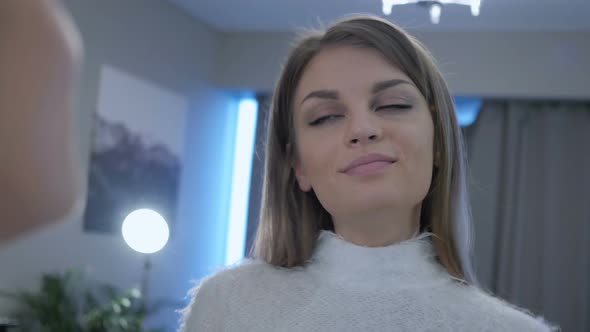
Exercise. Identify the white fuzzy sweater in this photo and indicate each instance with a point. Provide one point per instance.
(346, 287)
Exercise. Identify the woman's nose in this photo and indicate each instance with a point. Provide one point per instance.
(363, 129)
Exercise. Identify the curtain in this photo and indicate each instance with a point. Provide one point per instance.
(530, 192)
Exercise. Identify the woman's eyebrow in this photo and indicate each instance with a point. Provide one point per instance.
(380, 86)
(323, 94)
(333, 94)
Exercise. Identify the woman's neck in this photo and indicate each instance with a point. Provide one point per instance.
(407, 264)
(378, 228)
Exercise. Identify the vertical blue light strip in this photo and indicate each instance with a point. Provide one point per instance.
(243, 153)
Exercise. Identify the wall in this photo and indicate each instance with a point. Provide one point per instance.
(486, 64)
(153, 40)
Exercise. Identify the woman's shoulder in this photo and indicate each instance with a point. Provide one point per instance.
(247, 272)
(235, 285)
(510, 317)
(230, 277)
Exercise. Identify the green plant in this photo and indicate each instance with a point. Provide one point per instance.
(69, 303)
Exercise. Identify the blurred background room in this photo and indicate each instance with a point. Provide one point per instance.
(171, 113)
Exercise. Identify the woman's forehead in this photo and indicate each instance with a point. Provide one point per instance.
(344, 68)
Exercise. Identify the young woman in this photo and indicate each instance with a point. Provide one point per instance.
(365, 221)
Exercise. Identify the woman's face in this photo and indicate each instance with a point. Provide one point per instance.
(351, 103)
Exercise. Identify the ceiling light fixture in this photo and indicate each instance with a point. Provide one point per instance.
(435, 7)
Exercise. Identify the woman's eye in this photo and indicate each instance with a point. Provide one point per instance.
(393, 107)
(324, 119)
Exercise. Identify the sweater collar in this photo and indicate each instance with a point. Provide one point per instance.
(410, 263)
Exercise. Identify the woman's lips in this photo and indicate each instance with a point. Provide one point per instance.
(367, 169)
(369, 164)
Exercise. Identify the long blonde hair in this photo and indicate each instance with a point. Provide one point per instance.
(290, 219)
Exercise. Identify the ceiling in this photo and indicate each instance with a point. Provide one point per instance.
(288, 15)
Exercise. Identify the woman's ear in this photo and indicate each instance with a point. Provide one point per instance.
(302, 179)
(437, 158)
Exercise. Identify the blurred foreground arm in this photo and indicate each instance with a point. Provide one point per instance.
(40, 171)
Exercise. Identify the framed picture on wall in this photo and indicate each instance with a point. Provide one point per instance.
(136, 155)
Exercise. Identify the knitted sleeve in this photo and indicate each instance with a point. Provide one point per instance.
(206, 309)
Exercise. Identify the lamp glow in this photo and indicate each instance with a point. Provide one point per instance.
(243, 152)
(475, 8)
(145, 231)
(387, 8)
(435, 6)
(435, 10)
